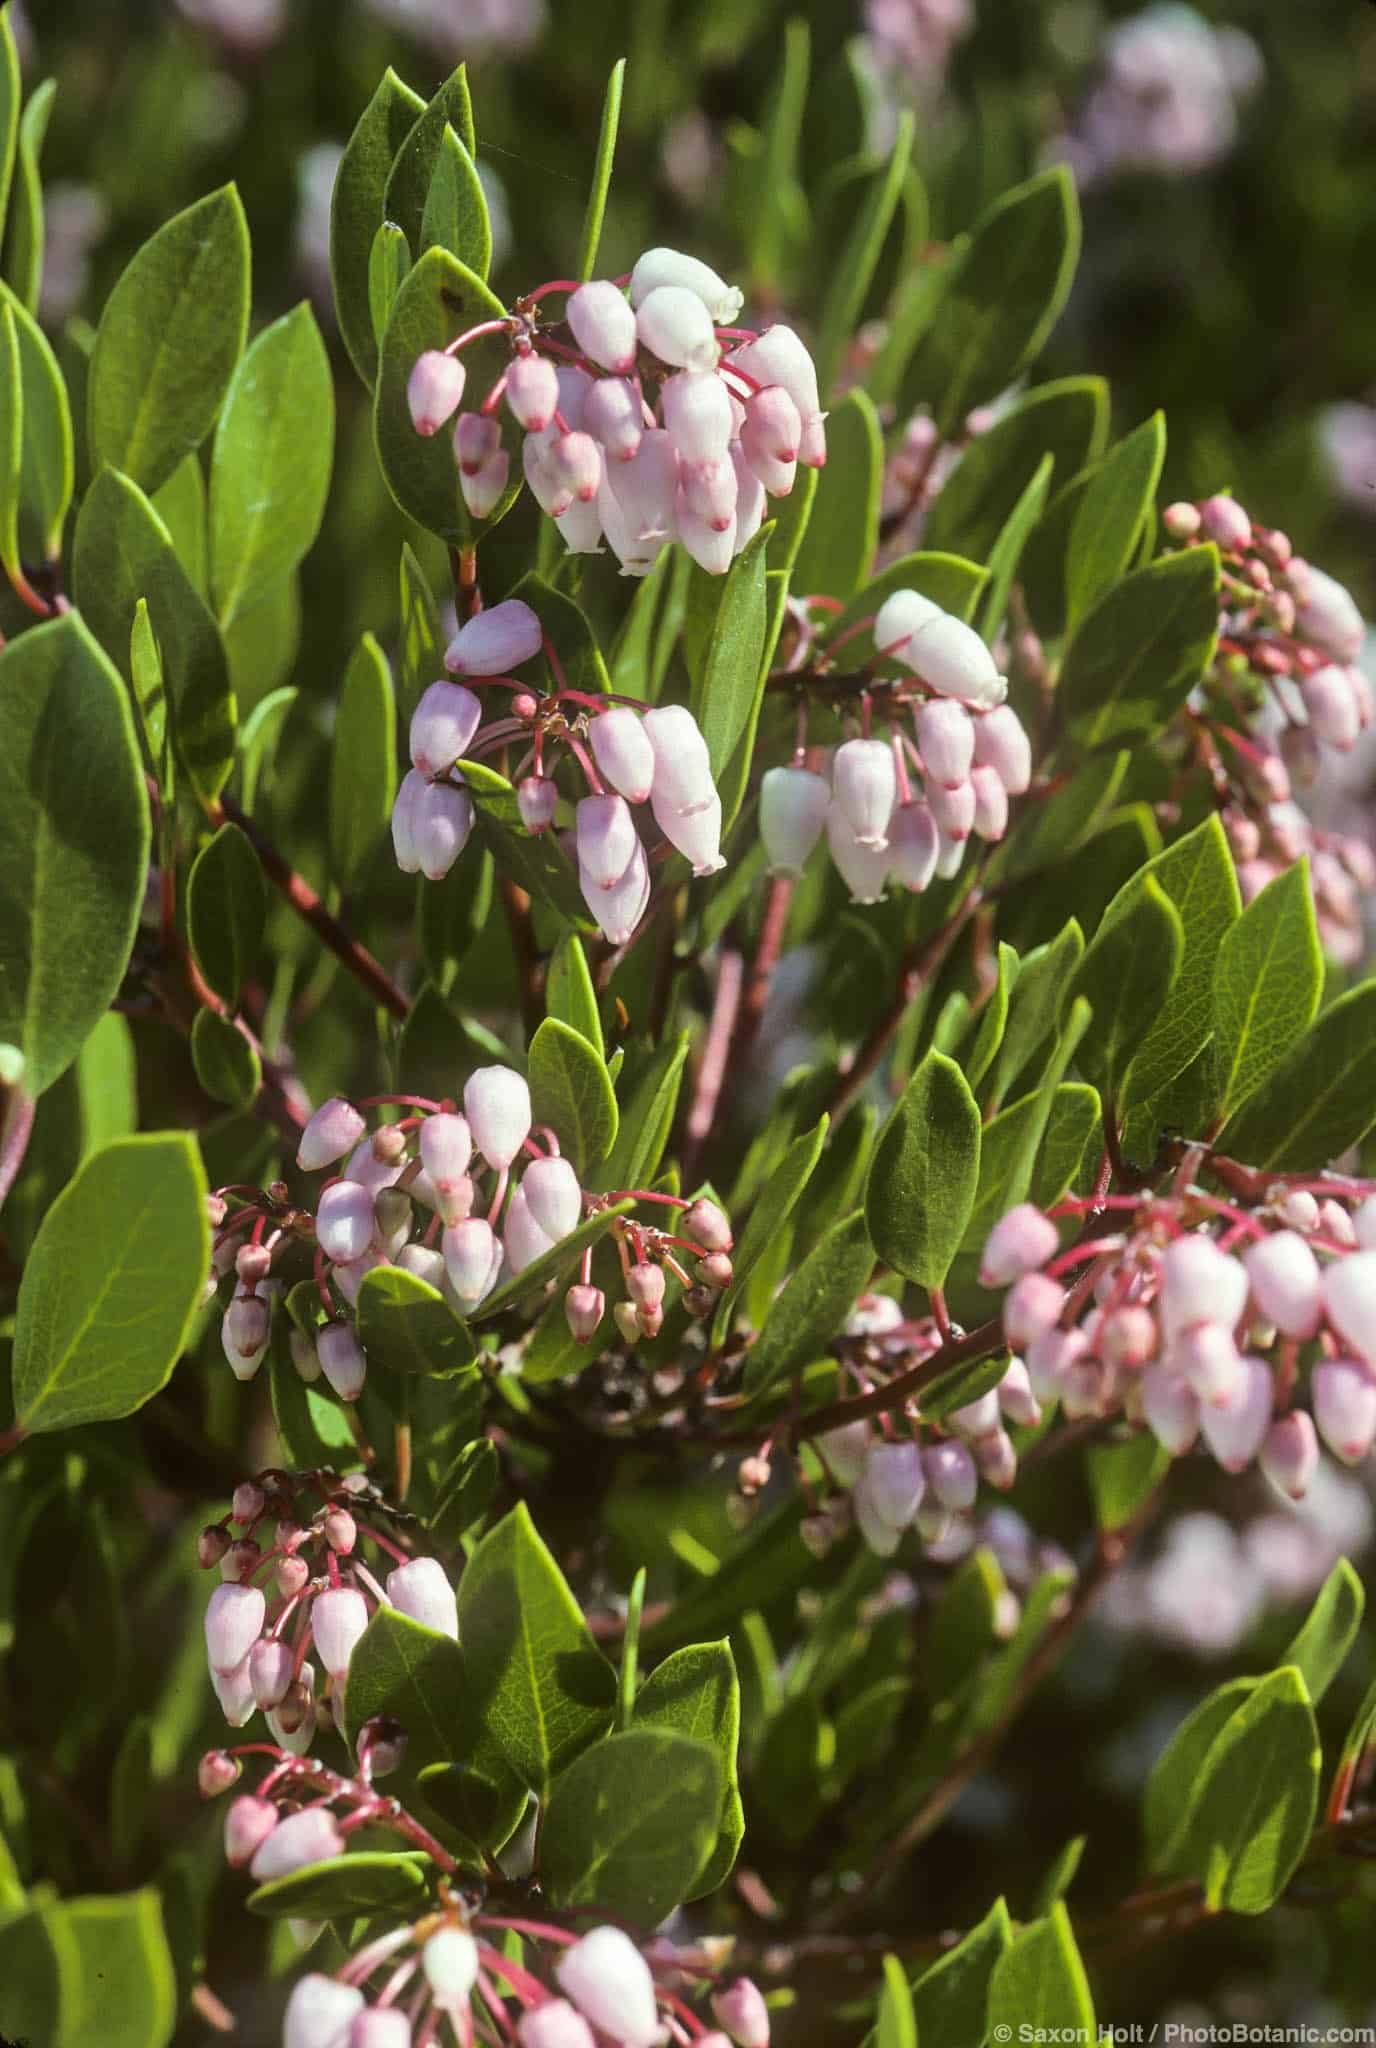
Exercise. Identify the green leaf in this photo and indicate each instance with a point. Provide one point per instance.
(1034, 1002)
(74, 843)
(226, 1061)
(1050, 1125)
(440, 298)
(1176, 1779)
(1039, 1981)
(925, 1174)
(838, 548)
(1197, 874)
(651, 1099)
(1066, 419)
(422, 640)
(1122, 1476)
(128, 1988)
(853, 270)
(389, 264)
(453, 914)
(466, 1494)
(571, 1091)
(46, 457)
(356, 211)
(993, 1019)
(259, 737)
(1322, 1096)
(11, 452)
(534, 1676)
(1006, 553)
(180, 503)
(1329, 1630)
(914, 306)
(1061, 1875)
(123, 552)
(947, 580)
(569, 994)
(1003, 296)
(125, 1248)
(408, 187)
(414, 1673)
(131, 1789)
(364, 1881)
(455, 216)
(964, 1628)
(270, 470)
(171, 333)
(408, 1326)
(601, 171)
(696, 1692)
(363, 770)
(11, 97)
(815, 1301)
(1126, 976)
(1268, 977)
(777, 208)
(726, 692)
(631, 1823)
(24, 229)
(568, 631)
(552, 1265)
(772, 1208)
(1137, 655)
(226, 909)
(1112, 513)
(1251, 1821)
(896, 2025)
(951, 1997)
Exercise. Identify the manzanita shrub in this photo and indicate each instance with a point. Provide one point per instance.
(793, 998)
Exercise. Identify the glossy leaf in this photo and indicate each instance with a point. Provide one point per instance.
(631, 1823)
(569, 994)
(412, 173)
(1176, 1779)
(455, 216)
(896, 2025)
(602, 171)
(814, 1303)
(407, 1326)
(555, 1264)
(1268, 976)
(1034, 1002)
(1119, 500)
(571, 1091)
(363, 773)
(125, 1247)
(1006, 554)
(226, 906)
(650, 1102)
(46, 452)
(696, 1692)
(365, 1881)
(1251, 1820)
(414, 1673)
(843, 526)
(128, 1988)
(925, 1174)
(726, 692)
(356, 211)
(389, 264)
(421, 649)
(1039, 1981)
(74, 843)
(770, 1212)
(951, 1996)
(11, 450)
(1066, 420)
(1122, 1476)
(171, 334)
(226, 1061)
(1322, 1096)
(1126, 976)
(1139, 652)
(24, 233)
(1329, 1630)
(11, 99)
(1196, 872)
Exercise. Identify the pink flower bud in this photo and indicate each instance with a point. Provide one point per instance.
(234, 1691)
(1016, 1398)
(1181, 520)
(419, 1588)
(778, 357)
(216, 1772)
(683, 771)
(604, 325)
(695, 833)
(645, 1285)
(553, 1196)
(1019, 1242)
(532, 391)
(584, 1308)
(1002, 744)
(1199, 1283)
(613, 415)
(381, 2026)
(751, 503)
(707, 1225)
(667, 266)
(496, 1102)
(742, 2011)
(211, 1545)
(252, 1263)
(468, 1255)
(609, 1981)
(233, 1623)
(293, 1722)
(433, 390)
(1234, 1430)
(483, 488)
(623, 753)
(627, 1319)
(1127, 1337)
(644, 489)
(950, 1471)
(477, 439)
(412, 789)
(951, 659)
(1224, 521)
(977, 1417)
(674, 325)
(903, 614)
(1343, 1393)
(1335, 1224)
(996, 1458)
(1363, 1222)
(550, 492)
(575, 461)
(537, 799)
(310, 1836)
(1331, 706)
(270, 1671)
(244, 1334)
(618, 910)
(344, 1221)
(580, 527)
(793, 809)
(605, 837)
(342, 1359)
(1033, 1306)
(863, 869)
(1050, 1356)
(248, 1502)
(709, 491)
(442, 726)
(953, 811)
(715, 1271)
(241, 1560)
(914, 845)
(711, 547)
(1349, 1299)
(991, 805)
(441, 820)
(1284, 1276)
(338, 1618)
(1290, 1453)
(553, 2024)
(495, 640)
(946, 741)
(248, 1824)
(865, 788)
(1327, 616)
(450, 1962)
(319, 2013)
(446, 1146)
(697, 416)
(770, 436)
(1208, 1360)
(341, 1530)
(1170, 1409)
(522, 1236)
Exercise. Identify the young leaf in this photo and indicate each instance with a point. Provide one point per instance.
(456, 216)
(181, 504)
(363, 770)
(569, 994)
(601, 171)
(226, 1061)
(859, 257)
(46, 455)
(1176, 1779)
(1126, 976)
(925, 1173)
(356, 211)
(1329, 1630)
(128, 1988)
(11, 98)
(11, 451)
(1124, 1475)
(74, 843)
(725, 693)
(226, 909)
(1066, 420)
(409, 1327)
(171, 333)
(408, 186)
(631, 1823)
(259, 736)
(1111, 514)
(1137, 655)
(1039, 1981)
(896, 2025)
(40, 1962)
(532, 1672)
(993, 1019)
(421, 647)
(365, 1881)
(1252, 1818)
(1034, 1002)
(571, 1091)
(843, 526)
(270, 470)
(950, 1997)
(814, 1303)
(1268, 976)
(651, 1097)
(538, 864)
(112, 1284)
(1322, 1096)
(696, 1692)
(772, 1208)
(1197, 874)
(24, 228)
(1006, 553)
(389, 265)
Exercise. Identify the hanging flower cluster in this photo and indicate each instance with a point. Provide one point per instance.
(622, 753)
(301, 1538)
(638, 428)
(904, 807)
(1205, 1315)
(464, 1199)
(1285, 686)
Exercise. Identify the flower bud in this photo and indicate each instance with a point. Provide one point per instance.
(951, 659)
(683, 770)
(1169, 1409)
(483, 488)
(697, 416)
(342, 1359)
(742, 2011)
(1290, 1454)
(707, 1225)
(468, 1254)
(1208, 1360)
(613, 416)
(1327, 616)
(844, 1451)
(553, 2024)
(953, 811)
(609, 1981)
(252, 1264)
(1343, 1393)
(991, 805)
(1019, 1242)
(244, 1334)
(1032, 1306)
(770, 436)
(674, 325)
(433, 390)
(1349, 1299)
(550, 492)
(413, 787)
(446, 1146)
(711, 546)
(303, 1356)
(381, 2026)
(752, 1476)
(950, 1471)
(623, 753)
(310, 1836)
(293, 1574)
(893, 1482)
(903, 614)
(270, 1671)
(778, 357)
(1335, 1224)
(865, 787)
(618, 910)
(1181, 520)
(946, 741)
(1001, 743)
(392, 1209)
(645, 1285)
(1127, 1337)
(605, 838)
(442, 726)
(1016, 1398)
(338, 1618)
(419, 1588)
(643, 491)
(1234, 1429)
(710, 491)
(1363, 1221)
(553, 1196)
(344, 1221)
(233, 1623)
(522, 1236)
(234, 1691)
(793, 809)
(477, 439)
(532, 391)
(627, 1319)
(1331, 706)
(1285, 1281)
(604, 325)
(293, 1721)
(667, 266)
(996, 1458)
(715, 1271)
(496, 1102)
(495, 640)
(319, 2012)
(695, 833)
(1200, 1283)
(248, 1824)
(537, 799)
(241, 1560)
(341, 1530)
(211, 1545)
(863, 869)
(584, 1308)
(248, 1503)
(1050, 1356)
(1223, 520)
(914, 846)
(441, 820)
(575, 462)
(450, 1962)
